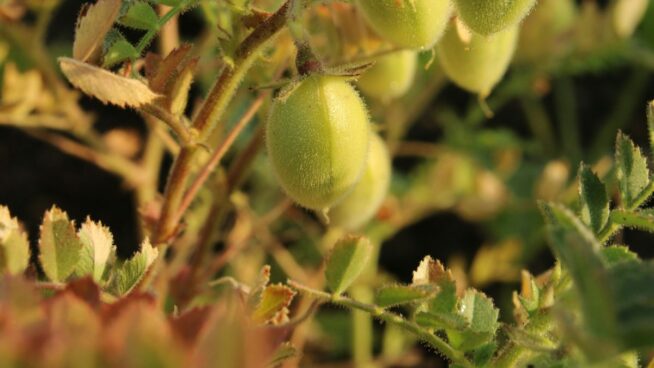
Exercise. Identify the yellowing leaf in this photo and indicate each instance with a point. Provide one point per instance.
(92, 26)
(273, 305)
(98, 249)
(59, 245)
(106, 86)
(14, 246)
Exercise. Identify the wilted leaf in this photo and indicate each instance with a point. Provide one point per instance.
(632, 171)
(14, 246)
(392, 295)
(132, 271)
(348, 259)
(274, 303)
(160, 72)
(59, 245)
(594, 200)
(106, 86)
(98, 249)
(92, 26)
(140, 15)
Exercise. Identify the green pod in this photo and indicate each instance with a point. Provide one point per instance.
(490, 16)
(474, 62)
(415, 24)
(391, 76)
(362, 203)
(317, 138)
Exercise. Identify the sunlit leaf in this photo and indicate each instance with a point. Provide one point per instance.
(130, 273)
(348, 259)
(98, 249)
(59, 245)
(632, 171)
(14, 246)
(92, 26)
(106, 86)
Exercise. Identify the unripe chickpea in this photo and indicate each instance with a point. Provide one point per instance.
(317, 138)
(391, 76)
(474, 62)
(358, 207)
(416, 24)
(490, 16)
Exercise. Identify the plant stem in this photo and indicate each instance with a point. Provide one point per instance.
(436, 342)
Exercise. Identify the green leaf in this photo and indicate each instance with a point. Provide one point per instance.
(98, 250)
(481, 316)
(348, 259)
(140, 15)
(631, 283)
(650, 124)
(119, 51)
(617, 254)
(273, 304)
(132, 271)
(393, 295)
(643, 220)
(14, 246)
(482, 355)
(283, 353)
(440, 321)
(59, 245)
(578, 250)
(530, 340)
(632, 172)
(594, 200)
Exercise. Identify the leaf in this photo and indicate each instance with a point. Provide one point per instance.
(481, 315)
(617, 254)
(98, 249)
(578, 250)
(162, 71)
(273, 305)
(632, 171)
(120, 50)
(650, 124)
(59, 245)
(14, 246)
(348, 259)
(140, 15)
(393, 295)
(283, 353)
(106, 86)
(634, 298)
(132, 271)
(594, 200)
(529, 340)
(432, 272)
(642, 220)
(92, 25)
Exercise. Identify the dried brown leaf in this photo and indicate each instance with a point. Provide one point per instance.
(92, 25)
(169, 68)
(106, 86)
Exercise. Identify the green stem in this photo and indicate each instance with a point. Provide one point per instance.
(539, 123)
(150, 34)
(436, 342)
(568, 121)
(617, 217)
(362, 329)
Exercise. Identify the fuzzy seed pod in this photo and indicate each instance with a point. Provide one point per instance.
(416, 24)
(362, 203)
(391, 76)
(317, 138)
(474, 62)
(490, 16)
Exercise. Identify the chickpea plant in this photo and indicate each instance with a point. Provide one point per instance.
(295, 67)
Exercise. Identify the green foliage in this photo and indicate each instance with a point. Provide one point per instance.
(140, 15)
(594, 200)
(60, 248)
(346, 262)
(14, 245)
(632, 172)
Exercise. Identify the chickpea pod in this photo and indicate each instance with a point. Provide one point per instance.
(490, 16)
(415, 24)
(362, 203)
(317, 138)
(391, 76)
(474, 62)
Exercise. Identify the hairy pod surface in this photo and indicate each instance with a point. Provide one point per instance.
(490, 16)
(475, 62)
(391, 76)
(416, 24)
(317, 139)
(362, 203)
